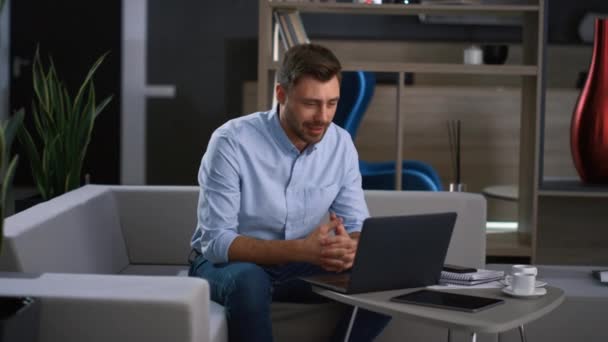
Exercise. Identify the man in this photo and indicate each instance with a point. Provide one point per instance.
(267, 181)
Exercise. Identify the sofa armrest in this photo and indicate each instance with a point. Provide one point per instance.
(86, 307)
(77, 232)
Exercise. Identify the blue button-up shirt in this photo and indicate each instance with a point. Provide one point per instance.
(255, 182)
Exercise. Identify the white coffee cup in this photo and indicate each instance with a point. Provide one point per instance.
(523, 283)
(527, 269)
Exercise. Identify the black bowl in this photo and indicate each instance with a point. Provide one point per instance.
(495, 54)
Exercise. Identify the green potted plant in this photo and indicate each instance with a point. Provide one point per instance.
(63, 127)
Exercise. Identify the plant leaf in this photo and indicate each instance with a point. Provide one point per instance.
(8, 180)
(37, 75)
(12, 128)
(89, 76)
(102, 106)
(42, 125)
(35, 164)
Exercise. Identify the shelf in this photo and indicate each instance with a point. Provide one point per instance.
(508, 244)
(438, 68)
(413, 9)
(533, 24)
(571, 188)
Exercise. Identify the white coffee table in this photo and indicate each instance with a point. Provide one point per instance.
(514, 313)
(582, 316)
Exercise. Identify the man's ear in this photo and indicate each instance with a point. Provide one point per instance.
(281, 94)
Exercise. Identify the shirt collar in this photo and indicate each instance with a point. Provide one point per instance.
(278, 132)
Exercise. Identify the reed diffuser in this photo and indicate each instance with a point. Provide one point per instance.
(454, 133)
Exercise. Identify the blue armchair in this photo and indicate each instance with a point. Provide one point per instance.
(356, 91)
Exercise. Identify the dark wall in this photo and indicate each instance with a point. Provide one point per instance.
(565, 15)
(75, 33)
(206, 49)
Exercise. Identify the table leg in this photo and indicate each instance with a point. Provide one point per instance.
(449, 335)
(473, 337)
(522, 333)
(351, 323)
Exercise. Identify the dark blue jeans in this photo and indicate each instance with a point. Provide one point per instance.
(246, 290)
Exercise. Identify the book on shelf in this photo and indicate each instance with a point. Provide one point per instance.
(291, 29)
(481, 274)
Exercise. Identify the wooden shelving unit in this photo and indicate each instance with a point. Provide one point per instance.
(572, 222)
(413, 9)
(571, 188)
(508, 244)
(531, 72)
(436, 68)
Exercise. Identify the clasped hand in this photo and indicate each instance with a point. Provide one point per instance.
(336, 252)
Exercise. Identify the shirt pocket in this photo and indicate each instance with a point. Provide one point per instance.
(317, 203)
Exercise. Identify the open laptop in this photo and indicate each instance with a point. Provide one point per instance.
(395, 252)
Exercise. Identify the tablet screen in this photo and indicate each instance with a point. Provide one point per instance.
(445, 300)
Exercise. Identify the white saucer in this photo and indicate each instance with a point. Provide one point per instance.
(539, 283)
(538, 292)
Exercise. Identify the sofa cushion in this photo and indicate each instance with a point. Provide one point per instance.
(78, 232)
(157, 222)
(218, 324)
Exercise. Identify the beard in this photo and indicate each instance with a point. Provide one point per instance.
(310, 132)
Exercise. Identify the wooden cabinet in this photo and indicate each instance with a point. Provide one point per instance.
(531, 72)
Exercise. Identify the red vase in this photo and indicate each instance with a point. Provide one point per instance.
(589, 128)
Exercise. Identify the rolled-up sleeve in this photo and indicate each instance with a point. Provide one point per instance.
(219, 198)
(350, 201)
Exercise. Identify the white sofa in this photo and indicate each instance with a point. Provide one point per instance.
(104, 260)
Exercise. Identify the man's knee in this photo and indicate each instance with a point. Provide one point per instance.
(250, 282)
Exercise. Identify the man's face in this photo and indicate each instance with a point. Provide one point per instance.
(307, 109)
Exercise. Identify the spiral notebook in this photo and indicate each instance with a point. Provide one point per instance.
(473, 278)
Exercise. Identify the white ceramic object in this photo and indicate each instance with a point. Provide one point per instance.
(507, 282)
(527, 269)
(538, 292)
(473, 55)
(523, 283)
